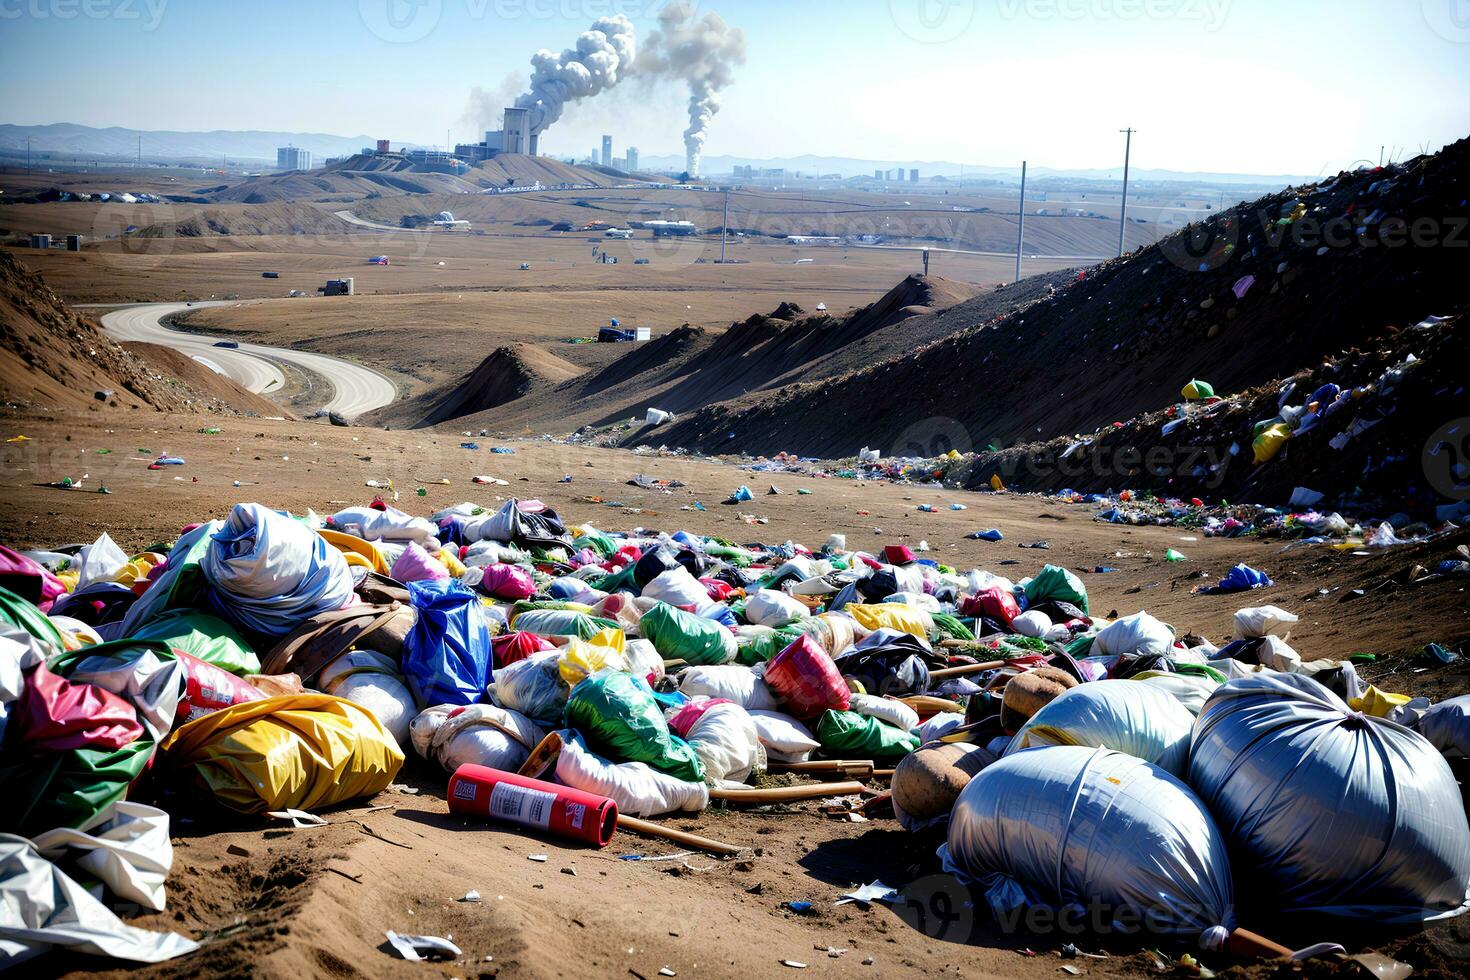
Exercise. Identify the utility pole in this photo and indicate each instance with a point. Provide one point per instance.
(725, 226)
(140, 149)
(28, 154)
(1021, 221)
(1123, 211)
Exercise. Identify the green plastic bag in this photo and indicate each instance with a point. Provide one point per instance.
(1054, 582)
(732, 553)
(618, 716)
(598, 541)
(757, 644)
(1081, 646)
(849, 735)
(180, 584)
(561, 622)
(614, 582)
(950, 627)
(204, 637)
(678, 635)
(24, 615)
(44, 790)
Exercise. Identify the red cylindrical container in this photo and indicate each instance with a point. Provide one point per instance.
(484, 792)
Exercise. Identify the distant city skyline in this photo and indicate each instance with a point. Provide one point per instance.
(1239, 86)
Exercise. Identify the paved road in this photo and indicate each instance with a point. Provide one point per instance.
(355, 389)
(353, 219)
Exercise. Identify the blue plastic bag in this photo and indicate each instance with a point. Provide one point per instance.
(1243, 578)
(446, 656)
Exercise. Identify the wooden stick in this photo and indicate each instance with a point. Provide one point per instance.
(1247, 943)
(967, 669)
(850, 768)
(785, 794)
(651, 829)
(924, 704)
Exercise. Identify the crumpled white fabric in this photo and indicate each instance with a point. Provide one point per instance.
(129, 851)
(391, 524)
(726, 741)
(19, 652)
(638, 789)
(478, 734)
(99, 561)
(41, 908)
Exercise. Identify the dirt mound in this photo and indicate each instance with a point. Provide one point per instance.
(282, 218)
(507, 374)
(1253, 294)
(524, 171)
(217, 391)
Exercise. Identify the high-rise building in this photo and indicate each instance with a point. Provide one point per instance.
(914, 176)
(607, 151)
(632, 159)
(877, 175)
(293, 158)
(516, 135)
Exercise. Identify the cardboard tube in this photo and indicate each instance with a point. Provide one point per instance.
(785, 794)
(926, 704)
(1243, 942)
(966, 669)
(651, 829)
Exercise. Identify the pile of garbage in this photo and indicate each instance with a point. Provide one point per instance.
(571, 678)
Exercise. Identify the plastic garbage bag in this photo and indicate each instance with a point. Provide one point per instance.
(99, 561)
(890, 710)
(29, 579)
(267, 572)
(128, 850)
(417, 565)
(1263, 621)
(757, 644)
(205, 637)
(15, 611)
(638, 789)
(483, 734)
(806, 680)
(1190, 690)
(894, 616)
(583, 658)
(1032, 622)
(509, 582)
(732, 682)
(532, 686)
(619, 716)
(1054, 582)
(446, 655)
(1243, 578)
(644, 661)
(559, 622)
(849, 735)
(1072, 826)
(834, 632)
(181, 583)
(677, 587)
(887, 661)
(678, 635)
(371, 680)
(785, 738)
(724, 737)
(387, 524)
(1122, 715)
(47, 909)
(507, 648)
(771, 608)
(1447, 726)
(1139, 635)
(524, 527)
(153, 679)
(1330, 811)
(302, 751)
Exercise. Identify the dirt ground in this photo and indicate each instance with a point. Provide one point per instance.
(317, 902)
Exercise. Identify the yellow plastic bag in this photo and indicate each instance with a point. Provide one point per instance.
(1270, 441)
(583, 658)
(1379, 704)
(894, 615)
(301, 750)
(356, 551)
(450, 560)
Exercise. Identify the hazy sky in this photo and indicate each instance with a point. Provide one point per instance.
(1260, 86)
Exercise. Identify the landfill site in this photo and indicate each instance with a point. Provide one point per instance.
(490, 563)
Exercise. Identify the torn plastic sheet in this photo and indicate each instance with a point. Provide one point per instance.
(298, 818)
(420, 948)
(129, 852)
(41, 908)
(874, 891)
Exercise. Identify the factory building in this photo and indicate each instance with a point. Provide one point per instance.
(517, 137)
(293, 158)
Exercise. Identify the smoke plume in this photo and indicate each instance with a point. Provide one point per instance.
(603, 55)
(486, 107)
(702, 50)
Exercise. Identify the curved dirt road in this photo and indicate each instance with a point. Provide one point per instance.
(355, 389)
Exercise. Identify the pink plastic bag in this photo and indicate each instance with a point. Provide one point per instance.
(29, 580)
(507, 582)
(807, 680)
(417, 565)
(55, 715)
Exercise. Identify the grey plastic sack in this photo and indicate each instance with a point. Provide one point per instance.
(1123, 715)
(1068, 825)
(532, 686)
(1328, 810)
(1447, 726)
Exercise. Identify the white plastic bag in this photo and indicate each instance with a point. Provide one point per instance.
(1331, 811)
(1137, 635)
(479, 734)
(726, 741)
(99, 561)
(638, 789)
(785, 738)
(1075, 826)
(532, 686)
(1034, 623)
(1447, 726)
(889, 710)
(730, 681)
(1122, 715)
(1190, 690)
(129, 851)
(775, 609)
(370, 679)
(678, 587)
(1263, 621)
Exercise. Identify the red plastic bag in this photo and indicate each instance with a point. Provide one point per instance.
(807, 680)
(55, 715)
(29, 580)
(507, 582)
(509, 648)
(686, 717)
(993, 603)
(718, 591)
(210, 688)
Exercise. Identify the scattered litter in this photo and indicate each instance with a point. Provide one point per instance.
(421, 948)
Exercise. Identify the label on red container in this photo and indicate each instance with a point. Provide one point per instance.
(575, 813)
(519, 804)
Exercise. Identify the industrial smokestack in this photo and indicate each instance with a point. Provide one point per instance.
(603, 55)
(703, 51)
